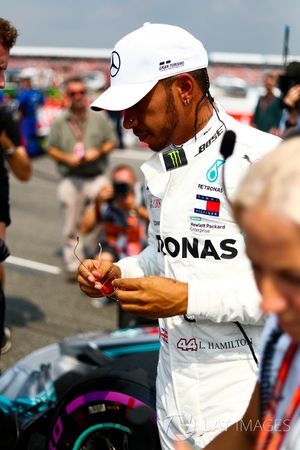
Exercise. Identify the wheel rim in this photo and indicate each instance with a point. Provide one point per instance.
(80, 440)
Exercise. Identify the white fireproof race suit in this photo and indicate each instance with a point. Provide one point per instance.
(206, 372)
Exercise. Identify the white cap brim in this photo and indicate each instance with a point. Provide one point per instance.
(120, 97)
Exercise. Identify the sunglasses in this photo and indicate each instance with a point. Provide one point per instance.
(107, 287)
(74, 93)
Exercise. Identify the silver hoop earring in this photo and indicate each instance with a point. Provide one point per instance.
(186, 101)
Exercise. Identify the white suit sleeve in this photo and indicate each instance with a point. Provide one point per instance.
(228, 299)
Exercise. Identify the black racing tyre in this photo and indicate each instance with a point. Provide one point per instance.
(114, 408)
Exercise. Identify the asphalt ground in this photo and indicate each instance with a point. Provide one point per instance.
(42, 307)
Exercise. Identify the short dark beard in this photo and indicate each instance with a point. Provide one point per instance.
(80, 111)
(171, 120)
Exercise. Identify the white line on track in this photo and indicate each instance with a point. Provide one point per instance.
(34, 265)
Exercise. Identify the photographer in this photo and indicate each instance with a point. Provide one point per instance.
(289, 84)
(268, 110)
(120, 214)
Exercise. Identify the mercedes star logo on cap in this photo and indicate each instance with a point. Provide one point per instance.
(115, 64)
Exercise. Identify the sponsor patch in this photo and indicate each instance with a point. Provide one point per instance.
(205, 228)
(164, 335)
(155, 203)
(209, 206)
(168, 65)
(210, 141)
(213, 172)
(174, 158)
(204, 187)
(197, 248)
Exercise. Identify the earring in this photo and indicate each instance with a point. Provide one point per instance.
(186, 101)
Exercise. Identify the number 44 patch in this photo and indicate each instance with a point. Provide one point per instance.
(187, 345)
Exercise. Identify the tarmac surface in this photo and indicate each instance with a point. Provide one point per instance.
(42, 307)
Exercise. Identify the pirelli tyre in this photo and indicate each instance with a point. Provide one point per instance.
(114, 408)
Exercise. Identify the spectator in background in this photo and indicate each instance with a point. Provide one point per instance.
(268, 110)
(80, 142)
(15, 154)
(19, 163)
(30, 100)
(121, 215)
(289, 84)
(116, 117)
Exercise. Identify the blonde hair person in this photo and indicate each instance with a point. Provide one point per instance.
(274, 181)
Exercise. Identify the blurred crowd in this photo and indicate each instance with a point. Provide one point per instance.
(252, 95)
(35, 102)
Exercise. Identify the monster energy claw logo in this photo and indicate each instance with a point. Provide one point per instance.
(174, 158)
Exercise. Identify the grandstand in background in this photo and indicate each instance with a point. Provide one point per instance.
(236, 78)
(67, 61)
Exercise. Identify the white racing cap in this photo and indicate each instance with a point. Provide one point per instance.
(145, 56)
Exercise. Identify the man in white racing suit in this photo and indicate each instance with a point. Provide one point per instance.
(194, 274)
(266, 207)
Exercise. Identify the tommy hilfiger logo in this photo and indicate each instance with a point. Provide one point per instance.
(167, 65)
(174, 158)
(209, 206)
